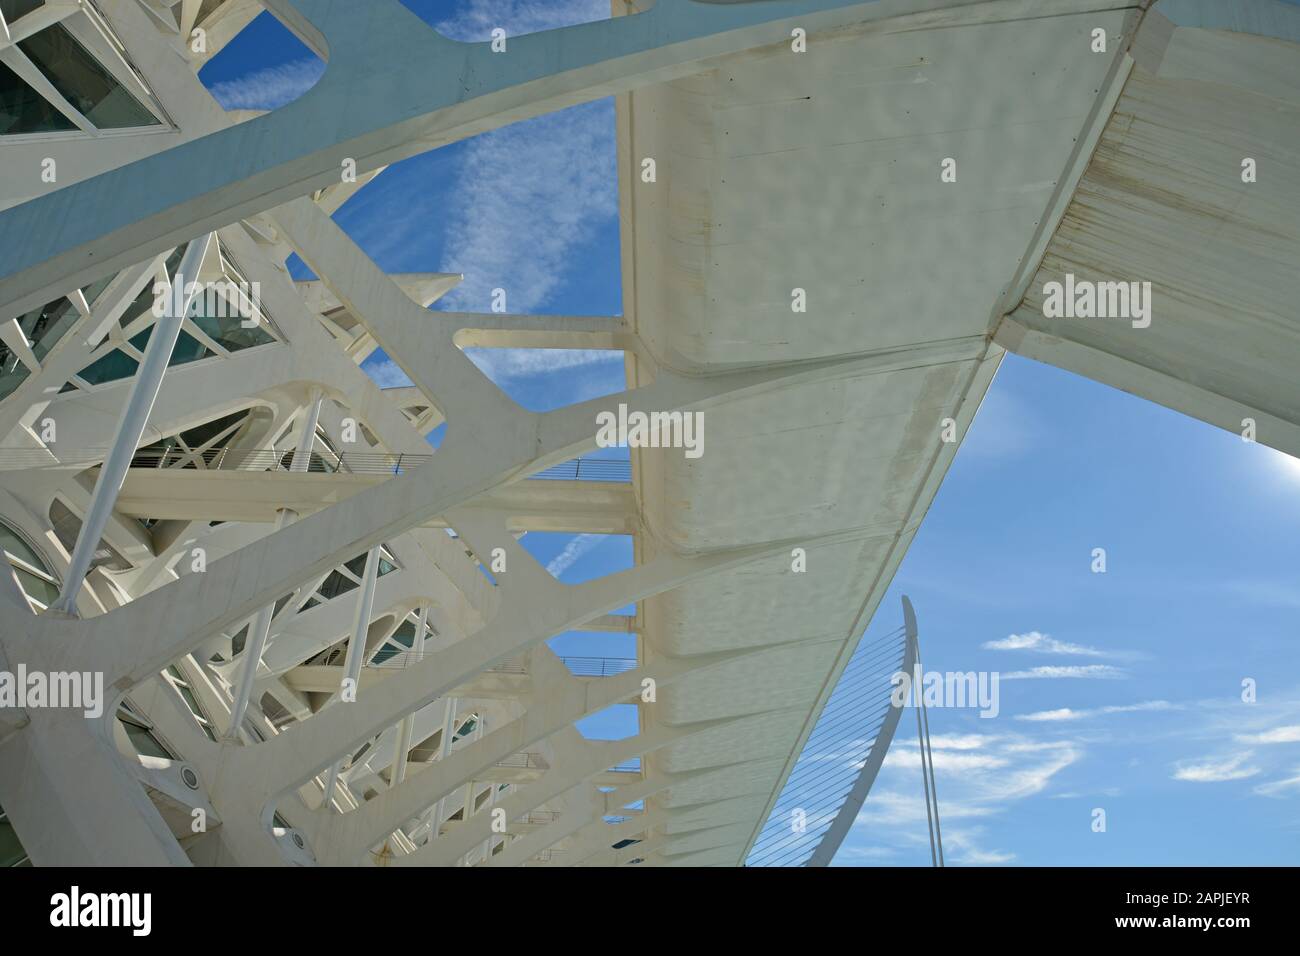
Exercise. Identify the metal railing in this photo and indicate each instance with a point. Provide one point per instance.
(539, 817)
(578, 666)
(268, 459)
(523, 761)
(588, 469)
(599, 666)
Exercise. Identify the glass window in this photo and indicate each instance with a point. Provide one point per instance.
(336, 584)
(11, 850)
(83, 81)
(142, 738)
(16, 547)
(142, 304)
(41, 589)
(12, 371)
(202, 434)
(13, 9)
(111, 367)
(93, 291)
(34, 575)
(466, 728)
(23, 110)
(46, 325)
(227, 331)
(186, 349)
(182, 686)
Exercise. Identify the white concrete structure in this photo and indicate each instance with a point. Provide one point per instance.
(842, 237)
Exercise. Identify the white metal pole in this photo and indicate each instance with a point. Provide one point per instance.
(357, 646)
(260, 629)
(407, 727)
(135, 416)
(444, 748)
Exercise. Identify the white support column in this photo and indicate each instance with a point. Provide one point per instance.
(307, 436)
(357, 648)
(492, 802)
(471, 786)
(444, 748)
(135, 416)
(260, 630)
(408, 722)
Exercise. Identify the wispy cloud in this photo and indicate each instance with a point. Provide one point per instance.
(578, 546)
(1217, 771)
(525, 198)
(1278, 735)
(978, 775)
(509, 366)
(269, 88)
(962, 846)
(1066, 713)
(1280, 788)
(1079, 671)
(516, 17)
(1043, 643)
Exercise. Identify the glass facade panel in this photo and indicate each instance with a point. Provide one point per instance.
(92, 291)
(336, 584)
(11, 850)
(38, 588)
(12, 371)
(114, 366)
(83, 81)
(187, 349)
(13, 9)
(36, 580)
(20, 549)
(143, 740)
(44, 327)
(228, 331)
(23, 110)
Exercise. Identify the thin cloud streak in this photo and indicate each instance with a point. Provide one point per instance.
(1043, 643)
(1065, 713)
(269, 88)
(518, 17)
(1078, 672)
(525, 199)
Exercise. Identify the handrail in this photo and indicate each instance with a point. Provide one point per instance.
(578, 666)
(226, 458)
(522, 761)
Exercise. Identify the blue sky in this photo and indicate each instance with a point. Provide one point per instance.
(1128, 697)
